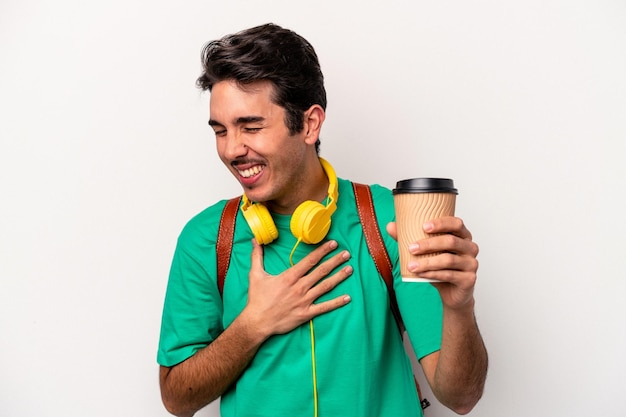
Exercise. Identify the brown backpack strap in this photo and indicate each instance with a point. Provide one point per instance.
(375, 244)
(225, 235)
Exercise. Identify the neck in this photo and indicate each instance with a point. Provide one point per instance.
(312, 185)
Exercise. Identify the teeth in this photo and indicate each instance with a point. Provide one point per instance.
(251, 171)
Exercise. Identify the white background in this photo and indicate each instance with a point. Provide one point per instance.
(105, 154)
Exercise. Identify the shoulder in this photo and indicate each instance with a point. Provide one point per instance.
(202, 228)
(378, 191)
(383, 210)
(381, 196)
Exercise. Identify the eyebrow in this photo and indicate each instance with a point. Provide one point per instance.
(239, 120)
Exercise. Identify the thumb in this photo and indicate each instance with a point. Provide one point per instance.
(256, 265)
(391, 229)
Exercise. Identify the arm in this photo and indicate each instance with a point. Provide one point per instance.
(457, 372)
(194, 383)
(199, 380)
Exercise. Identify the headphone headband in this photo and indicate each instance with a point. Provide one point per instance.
(333, 191)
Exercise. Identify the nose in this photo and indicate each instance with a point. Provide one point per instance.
(234, 146)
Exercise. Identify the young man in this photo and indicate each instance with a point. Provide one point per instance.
(304, 325)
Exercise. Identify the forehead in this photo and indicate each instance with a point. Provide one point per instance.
(230, 99)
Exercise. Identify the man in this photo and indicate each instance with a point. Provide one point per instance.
(305, 328)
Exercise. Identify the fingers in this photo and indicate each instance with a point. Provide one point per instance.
(320, 286)
(326, 285)
(330, 305)
(447, 266)
(311, 260)
(310, 277)
(319, 280)
(453, 225)
(455, 253)
(325, 268)
(444, 243)
(286, 300)
(448, 234)
(458, 268)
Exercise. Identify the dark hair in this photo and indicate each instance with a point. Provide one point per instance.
(268, 52)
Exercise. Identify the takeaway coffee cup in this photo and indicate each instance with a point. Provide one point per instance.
(416, 201)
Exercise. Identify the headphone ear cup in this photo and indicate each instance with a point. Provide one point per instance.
(310, 222)
(261, 223)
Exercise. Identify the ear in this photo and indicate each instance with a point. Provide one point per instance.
(313, 120)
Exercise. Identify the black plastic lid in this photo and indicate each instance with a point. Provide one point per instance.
(425, 185)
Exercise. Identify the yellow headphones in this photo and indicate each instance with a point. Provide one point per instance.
(310, 221)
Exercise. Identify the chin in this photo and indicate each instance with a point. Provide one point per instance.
(255, 195)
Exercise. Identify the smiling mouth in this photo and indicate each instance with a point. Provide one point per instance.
(250, 172)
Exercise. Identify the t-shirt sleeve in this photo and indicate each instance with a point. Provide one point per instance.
(421, 309)
(192, 312)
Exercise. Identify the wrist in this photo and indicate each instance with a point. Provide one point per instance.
(465, 309)
(252, 326)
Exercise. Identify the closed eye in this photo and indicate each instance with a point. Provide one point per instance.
(217, 127)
